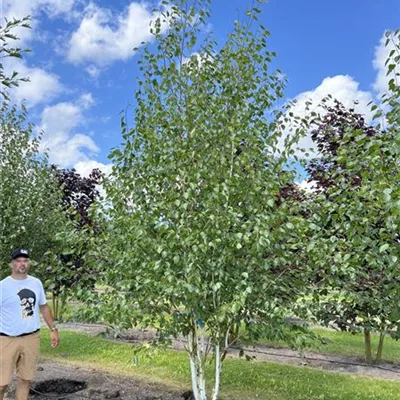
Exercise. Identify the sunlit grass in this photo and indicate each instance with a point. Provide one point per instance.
(240, 379)
(347, 344)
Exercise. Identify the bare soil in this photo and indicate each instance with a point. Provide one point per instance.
(61, 381)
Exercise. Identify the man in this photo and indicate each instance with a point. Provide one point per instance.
(21, 298)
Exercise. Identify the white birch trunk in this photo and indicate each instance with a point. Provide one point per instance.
(193, 371)
(217, 371)
(197, 365)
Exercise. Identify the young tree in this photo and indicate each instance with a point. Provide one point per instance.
(198, 234)
(69, 269)
(30, 211)
(358, 241)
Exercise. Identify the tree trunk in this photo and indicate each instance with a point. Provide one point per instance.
(378, 358)
(198, 348)
(368, 347)
(61, 307)
(197, 355)
(55, 301)
(198, 380)
(235, 333)
(217, 371)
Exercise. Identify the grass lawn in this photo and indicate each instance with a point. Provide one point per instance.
(339, 343)
(353, 345)
(345, 343)
(240, 380)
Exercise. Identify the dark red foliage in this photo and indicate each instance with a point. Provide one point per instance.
(79, 192)
(328, 137)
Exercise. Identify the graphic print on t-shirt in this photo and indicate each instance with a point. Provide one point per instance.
(27, 301)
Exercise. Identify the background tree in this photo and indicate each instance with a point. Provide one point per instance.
(30, 212)
(69, 268)
(358, 243)
(79, 194)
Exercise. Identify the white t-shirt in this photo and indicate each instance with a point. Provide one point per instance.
(19, 305)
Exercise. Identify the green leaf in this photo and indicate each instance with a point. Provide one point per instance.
(383, 248)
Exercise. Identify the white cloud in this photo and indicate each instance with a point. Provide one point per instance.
(93, 71)
(67, 147)
(84, 168)
(343, 88)
(103, 37)
(22, 8)
(198, 59)
(54, 8)
(43, 86)
(381, 84)
(307, 186)
(194, 55)
(86, 100)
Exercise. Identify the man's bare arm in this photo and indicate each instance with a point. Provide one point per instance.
(49, 319)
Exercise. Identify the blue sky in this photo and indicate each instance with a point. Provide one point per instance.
(83, 70)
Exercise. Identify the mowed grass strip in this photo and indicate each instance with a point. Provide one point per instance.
(349, 345)
(240, 379)
(353, 345)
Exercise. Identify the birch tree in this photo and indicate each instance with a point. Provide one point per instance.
(199, 238)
